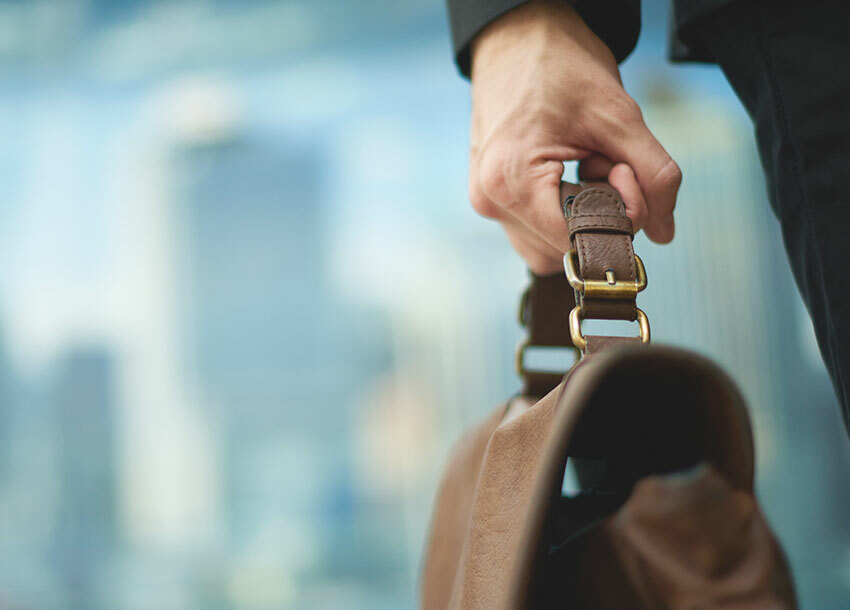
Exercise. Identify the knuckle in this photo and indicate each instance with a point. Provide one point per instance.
(499, 177)
(617, 115)
(481, 203)
(622, 109)
(639, 218)
(628, 109)
(669, 176)
(492, 176)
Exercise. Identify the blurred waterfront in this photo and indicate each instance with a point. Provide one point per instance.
(246, 308)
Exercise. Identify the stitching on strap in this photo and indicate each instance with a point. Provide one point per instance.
(599, 193)
(619, 224)
(626, 240)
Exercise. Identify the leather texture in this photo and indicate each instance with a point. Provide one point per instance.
(661, 444)
(491, 533)
(681, 542)
(601, 235)
(544, 308)
(451, 514)
(543, 312)
(598, 343)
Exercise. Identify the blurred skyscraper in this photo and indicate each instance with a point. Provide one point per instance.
(85, 535)
(275, 357)
(6, 414)
(238, 265)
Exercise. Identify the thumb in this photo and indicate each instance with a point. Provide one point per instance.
(656, 173)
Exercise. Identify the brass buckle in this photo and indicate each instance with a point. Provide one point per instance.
(611, 288)
(581, 343)
(519, 357)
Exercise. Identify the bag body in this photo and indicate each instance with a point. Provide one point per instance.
(661, 443)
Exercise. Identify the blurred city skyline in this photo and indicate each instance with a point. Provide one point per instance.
(246, 308)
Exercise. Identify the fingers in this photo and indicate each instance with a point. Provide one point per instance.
(527, 193)
(535, 210)
(540, 257)
(538, 207)
(622, 178)
(627, 139)
(530, 210)
(481, 202)
(595, 167)
(522, 190)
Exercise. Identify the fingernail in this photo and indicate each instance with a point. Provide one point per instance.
(668, 226)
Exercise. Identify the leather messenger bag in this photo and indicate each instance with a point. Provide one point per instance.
(659, 439)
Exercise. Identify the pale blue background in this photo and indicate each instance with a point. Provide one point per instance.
(245, 307)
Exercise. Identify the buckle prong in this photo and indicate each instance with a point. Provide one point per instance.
(610, 287)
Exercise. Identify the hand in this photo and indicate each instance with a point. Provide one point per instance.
(545, 90)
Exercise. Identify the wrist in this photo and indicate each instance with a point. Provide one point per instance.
(544, 25)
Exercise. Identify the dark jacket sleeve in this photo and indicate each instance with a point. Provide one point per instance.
(616, 22)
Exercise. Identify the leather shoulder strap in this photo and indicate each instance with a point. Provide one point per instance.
(543, 312)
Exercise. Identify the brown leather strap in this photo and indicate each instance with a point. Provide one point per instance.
(538, 384)
(601, 222)
(602, 235)
(544, 312)
(596, 343)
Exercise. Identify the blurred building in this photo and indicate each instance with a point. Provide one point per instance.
(249, 309)
(85, 534)
(6, 413)
(276, 358)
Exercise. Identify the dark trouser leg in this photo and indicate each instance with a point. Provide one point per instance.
(789, 63)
